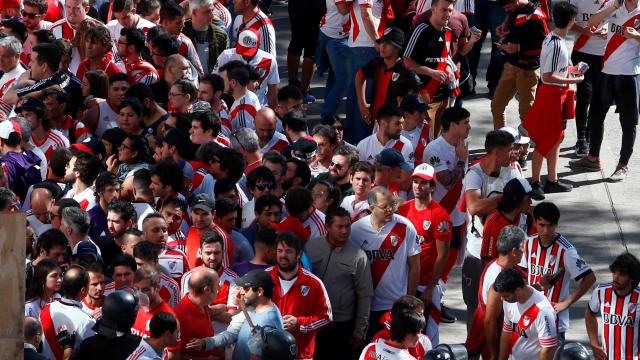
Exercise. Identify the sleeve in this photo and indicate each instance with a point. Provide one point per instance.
(368, 353)
(367, 71)
(233, 291)
(594, 302)
(443, 227)
(364, 293)
(534, 36)
(507, 326)
(472, 181)
(432, 158)
(222, 59)
(489, 238)
(546, 327)
(149, 79)
(415, 46)
(549, 56)
(575, 264)
(524, 260)
(322, 316)
(407, 150)
(413, 240)
(274, 75)
(227, 337)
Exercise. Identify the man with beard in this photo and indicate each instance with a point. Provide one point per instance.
(300, 295)
(389, 119)
(92, 303)
(339, 169)
(121, 217)
(174, 261)
(256, 290)
(223, 307)
(107, 190)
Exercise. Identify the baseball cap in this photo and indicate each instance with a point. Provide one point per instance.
(517, 138)
(248, 42)
(201, 106)
(294, 225)
(393, 158)
(256, 278)
(412, 103)
(424, 171)
(105, 178)
(392, 35)
(304, 149)
(32, 104)
(90, 145)
(203, 202)
(516, 188)
(9, 126)
(86, 252)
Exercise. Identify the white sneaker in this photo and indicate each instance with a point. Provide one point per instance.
(620, 174)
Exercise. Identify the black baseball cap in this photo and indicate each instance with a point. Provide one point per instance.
(393, 36)
(91, 145)
(304, 149)
(32, 104)
(412, 103)
(203, 202)
(256, 278)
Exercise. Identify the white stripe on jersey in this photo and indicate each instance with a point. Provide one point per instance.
(144, 351)
(315, 223)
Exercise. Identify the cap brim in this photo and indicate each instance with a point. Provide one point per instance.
(423, 177)
(81, 147)
(406, 166)
(202, 207)
(523, 140)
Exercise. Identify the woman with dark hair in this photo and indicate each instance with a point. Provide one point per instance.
(133, 155)
(95, 83)
(46, 282)
(326, 195)
(112, 139)
(513, 209)
(130, 116)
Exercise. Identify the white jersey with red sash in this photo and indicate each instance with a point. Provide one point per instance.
(244, 110)
(382, 15)
(423, 345)
(261, 23)
(74, 130)
(144, 351)
(277, 143)
(8, 79)
(593, 45)
(225, 123)
(370, 146)
(532, 326)
(383, 350)
(420, 137)
(466, 7)
(86, 198)
(177, 240)
(354, 208)
(619, 328)
(142, 72)
(442, 156)
(560, 254)
(388, 251)
(90, 310)
(66, 313)
(53, 140)
(621, 55)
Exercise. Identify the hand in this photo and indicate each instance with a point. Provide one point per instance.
(112, 163)
(475, 37)
(365, 112)
(631, 33)
(544, 282)
(65, 339)
(196, 344)
(462, 151)
(290, 323)
(561, 306)
(578, 78)
(425, 98)
(97, 315)
(501, 30)
(509, 48)
(440, 76)
(598, 352)
(600, 33)
(427, 296)
(10, 97)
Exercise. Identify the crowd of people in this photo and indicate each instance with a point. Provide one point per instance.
(181, 204)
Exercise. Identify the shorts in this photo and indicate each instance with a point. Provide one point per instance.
(304, 35)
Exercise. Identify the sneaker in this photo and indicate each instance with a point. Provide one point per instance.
(536, 192)
(556, 187)
(308, 98)
(585, 164)
(445, 316)
(620, 174)
(523, 164)
(582, 148)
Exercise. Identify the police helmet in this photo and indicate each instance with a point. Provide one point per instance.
(572, 351)
(278, 344)
(118, 314)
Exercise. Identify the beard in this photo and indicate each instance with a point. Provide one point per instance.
(287, 268)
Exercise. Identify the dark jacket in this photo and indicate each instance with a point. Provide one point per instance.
(217, 38)
(528, 28)
(30, 354)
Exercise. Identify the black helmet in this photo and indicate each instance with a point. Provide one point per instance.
(572, 351)
(438, 353)
(118, 314)
(278, 344)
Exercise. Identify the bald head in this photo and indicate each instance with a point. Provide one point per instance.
(265, 124)
(203, 281)
(41, 203)
(32, 331)
(176, 67)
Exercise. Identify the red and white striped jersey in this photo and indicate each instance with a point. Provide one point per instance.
(53, 140)
(382, 350)
(70, 314)
(142, 72)
(277, 143)
(107, 118)
(243, 111)
(108, 65)
(261, 23)
(619, 326)
(334, 24)
(621, 54)
(420, 137)
(144, 351)
(593, 45)
(264, 63)
(86, 199)
(223, 14)
(532, 325)
(188, 50)
(370, 146)
(492, 227)
(388, 250)
(7, 80)
(358, 36)
(177, 240)
(115, 27)
(315, 223)
(540, 260)
(175, 261)
(74, 130)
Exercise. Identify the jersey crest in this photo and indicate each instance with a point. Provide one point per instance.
(304, 290)
(426, 224)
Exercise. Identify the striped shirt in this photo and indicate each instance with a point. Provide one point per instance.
(263, 25)
(243, 111)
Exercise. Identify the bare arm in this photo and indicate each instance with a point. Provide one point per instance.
(592, 331)
(360, 84)
(597, 18)
(479, 206)
(466, 44)
(272, 95)
(493, 313)
(546, 353)
(414, 274)
(367, 21)
(583, 286)
(505, 340)
(419, 69)
(90, 118)
(551, 77)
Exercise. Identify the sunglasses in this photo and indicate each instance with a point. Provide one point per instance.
(337, 166)
(29, 15)
(263, 187)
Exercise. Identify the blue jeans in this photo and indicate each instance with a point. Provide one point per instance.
(489, 15)
(339, 74)
(355, 128)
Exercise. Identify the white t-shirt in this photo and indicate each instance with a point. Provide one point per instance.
(554, 58)
(315, 223)
(33, 307)
(86, 199)
(382, 350)
(621, 55)
(370, 146)
(354, 209)
(107, 118)
(358, 36)
(334, 24)
(388, 251)
(243, 111)
(535, 321)
(285, 285)
(593, 45)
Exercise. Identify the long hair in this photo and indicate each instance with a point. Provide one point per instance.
(37, 288)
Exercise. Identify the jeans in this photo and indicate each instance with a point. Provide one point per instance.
(339, 74)
(584, 90)
(355, 127)
(488, 16)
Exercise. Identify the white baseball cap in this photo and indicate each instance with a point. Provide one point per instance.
(7, 127)
(517, 138)
(424, 171)
(248, 42)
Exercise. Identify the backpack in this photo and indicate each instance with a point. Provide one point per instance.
(23, 170)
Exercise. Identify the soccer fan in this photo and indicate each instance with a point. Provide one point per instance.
(173, 67)
(289, 98)
(513, 209)
(32, 331)
(44, 286)
(173, 212)
(299, 204)
(264, 244)
(164, 334)
(98, 52)
(174, 261)
(193, 311)
(75, 13)
(210, 89)
(485, 326)
(404, 333)
(361, 180)
(42, 135)
(166, 181)
(434, 64)
(392, 246)
(58, 206)
(392, 172)
(125, 15)
(388, 135)
(255, 291)
(82, 170)
(67, 313)
(277, 163)
(326, 141)
(105, 115)
(528, 330)
(267, 209)
(34, 19)
(204, 125)
(75, 226)
(149, 10)
(248, 50)
(57, 104)
(209, 38)
(182, 95)
(147, 281)
(619, 70)
(107, 188)
(246, 103)
(146, 253)
(54, 173)
(121, 217)
(202, 208)
(482, 187)
(8, 200)
(260, 182)
(346, 274)
(20, 168)
(130, 45)
(549, 253)
(153, 114)
(245, 141)
(300, 295)
(10, 49)
(93, 301)
(614, 302)
(226, 217)
(269, 138)
(249, 16)
(39, 216)
(51, 244)
(415, 126)
(433, 226)
(123, 267)
(172, 19)
(130, 238)
(23, 126)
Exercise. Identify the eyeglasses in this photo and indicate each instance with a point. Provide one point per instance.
(263, 187)
(390, 206)
(29, 15)
(338, 128)
(336, 165)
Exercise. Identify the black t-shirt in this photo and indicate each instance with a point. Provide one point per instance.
(108, 248)
(98, 347)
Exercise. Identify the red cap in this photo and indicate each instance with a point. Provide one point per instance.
(294, 225)
(248, 43)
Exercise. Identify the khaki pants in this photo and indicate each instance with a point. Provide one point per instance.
(514, 80)
(435, 114)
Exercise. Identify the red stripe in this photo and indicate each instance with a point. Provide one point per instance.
(421, 146)
(630, 330)
(433, 85)
(552, 267)
(49, 330)
(580, 42)
(356, 26)
(557, 288)
(617, 330)
(542, 259)
(398, 145)
(608, 292)
(617, 40)
(450, 200)
(379, 266)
